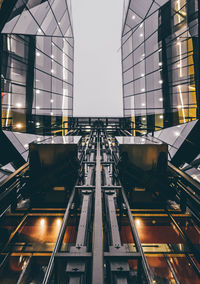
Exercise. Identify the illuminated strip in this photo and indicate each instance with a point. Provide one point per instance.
(180, 58)
(8, 109)
(182, 105)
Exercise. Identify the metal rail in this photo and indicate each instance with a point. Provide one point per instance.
(50, 266)
(137, 240)
(185, 177)
(97, 249)
(75, 265)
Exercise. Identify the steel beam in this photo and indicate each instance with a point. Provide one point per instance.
(97, 249)
(50, 266)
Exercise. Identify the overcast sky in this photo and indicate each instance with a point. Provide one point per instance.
(97, 69)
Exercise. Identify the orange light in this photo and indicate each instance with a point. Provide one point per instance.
(138, 222)
(58, 222)
(19, 125)
(42, 222)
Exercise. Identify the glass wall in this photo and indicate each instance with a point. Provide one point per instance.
(37, 65)
(159, 58)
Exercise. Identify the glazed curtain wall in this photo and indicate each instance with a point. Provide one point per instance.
(37, 65)
(159, 58)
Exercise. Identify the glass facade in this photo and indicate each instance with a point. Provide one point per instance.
(160, 63)
(37, 50)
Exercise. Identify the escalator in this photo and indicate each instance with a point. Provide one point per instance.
(98, 216)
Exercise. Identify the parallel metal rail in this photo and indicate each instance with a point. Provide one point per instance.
(98, 190)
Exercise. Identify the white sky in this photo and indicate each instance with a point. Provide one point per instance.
(97, 28)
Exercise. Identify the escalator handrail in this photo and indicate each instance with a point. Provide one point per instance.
(185, 177)
(13, 175)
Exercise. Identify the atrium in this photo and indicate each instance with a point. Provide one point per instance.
(99, 141)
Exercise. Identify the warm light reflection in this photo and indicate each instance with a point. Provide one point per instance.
(179, 7)
(19, 125)
(138, 222)
(58, 222)
(42, 222)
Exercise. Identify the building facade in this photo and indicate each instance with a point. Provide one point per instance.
(37, 48)
(160, 59)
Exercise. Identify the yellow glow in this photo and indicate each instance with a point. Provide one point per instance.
(179, 7)
(138, 222)
(42, 222)
(58, 222)
(19, 125)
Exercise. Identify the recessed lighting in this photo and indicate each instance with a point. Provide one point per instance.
(141, 25)
(176, 133)
(161, 116)
(37, 91)
(52, 71)
(143, 104)
(144, 118)
(142, 90)
(160, 99)
(133, 17)
(38, 139)
(52, 56)
(42, 222)
(51, 113)
(138, 222)
(26, 145)
(18, 105)
(160, 81)
(37, 107)
(37, 53)
(51, 101)
(19, 125)
(37, 123)
(142, 75)
(141, 35)
(160, 63)
(39, 31)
